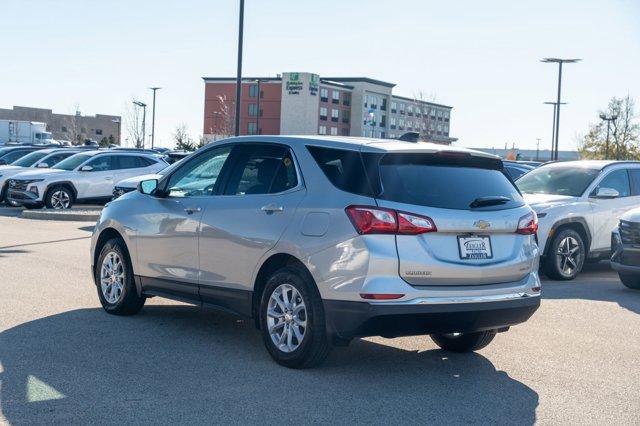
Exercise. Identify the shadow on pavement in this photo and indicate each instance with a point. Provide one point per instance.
(178, 363)
(596, 282)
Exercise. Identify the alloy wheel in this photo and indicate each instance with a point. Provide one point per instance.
(286, 318)
(60, 200)
(112, 277)
(568, 255)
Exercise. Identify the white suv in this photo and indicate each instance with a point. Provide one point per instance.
(84, 177)
(578, 204)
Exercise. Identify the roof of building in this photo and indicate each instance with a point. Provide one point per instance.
(360, 80)
(335, 83)
(404, 98)
(245, 79)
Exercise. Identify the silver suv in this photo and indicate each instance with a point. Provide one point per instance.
(321, 240)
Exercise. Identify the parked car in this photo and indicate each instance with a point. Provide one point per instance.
(175, 156)
(131, 184)
(42, 158)
(323, 239)
(84, 177)
(578, 204)
(516, 169)
(11, 153)
(625, 249)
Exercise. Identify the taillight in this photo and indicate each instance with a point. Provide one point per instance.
(376, 220)
(381, 296)
(528, 224)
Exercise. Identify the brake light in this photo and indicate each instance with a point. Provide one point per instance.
(528, 224)
(376, 220)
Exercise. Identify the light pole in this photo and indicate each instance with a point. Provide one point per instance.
(239, 74)
(558, 102)
(144, 117)
(609, 119)
(538, 149)
(258, 107)
(153, 116)
(553, 130)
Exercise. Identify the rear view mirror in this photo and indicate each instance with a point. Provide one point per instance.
(148, 187)
(607, 193)
(43, 166)
(86, 168)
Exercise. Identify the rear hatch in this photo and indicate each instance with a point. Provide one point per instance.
(476, 211)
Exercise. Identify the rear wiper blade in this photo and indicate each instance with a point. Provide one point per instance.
(489, 201)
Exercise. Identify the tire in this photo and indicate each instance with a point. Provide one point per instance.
(464, 342)
(630, 280)
(117, 292)
(59, 197)
(293, 288)
(564, 262)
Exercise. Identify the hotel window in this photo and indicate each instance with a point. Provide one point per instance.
(383, 120)
(409, 125)
(346, 99)
(432, 127)
(346, 116)
(373, 101)
(383, 106)
(439, 113)
(446, 128)
(344, 131)
(394, 107)
(401, 108)
(253, 110)
(334, 131)
(324, 95)
(439, 127)
(366, 100)
(98, 131)
(433, 113)
(253, 91)
(410, 110)
(334, 115)
(252, 128)
(401, 124)
(323, 113)
(392, 122)
(322, 130)
(335, 97)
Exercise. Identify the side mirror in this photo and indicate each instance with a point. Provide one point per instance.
(148, 187)
(86, 168)
(607, 193)
(43, 166)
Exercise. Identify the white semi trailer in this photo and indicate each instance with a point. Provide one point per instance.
(24, 132)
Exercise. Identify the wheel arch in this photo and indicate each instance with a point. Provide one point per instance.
(268, 267)
(579, 224)
(66, 183)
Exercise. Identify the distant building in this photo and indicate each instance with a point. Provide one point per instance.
(304, 103)
(68, 126)
(531, 154)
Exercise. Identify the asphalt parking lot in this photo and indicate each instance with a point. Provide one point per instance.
(63, 360)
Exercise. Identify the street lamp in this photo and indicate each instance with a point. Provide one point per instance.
(117, 121)
(239, 73)
(144, 116)
(553, 128)
(153, 116)
(558, 103)
(258, 81)
(609, 119)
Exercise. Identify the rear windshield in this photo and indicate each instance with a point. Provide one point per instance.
(429, 180)
(29, 159)
(571, 181)
(72, 162)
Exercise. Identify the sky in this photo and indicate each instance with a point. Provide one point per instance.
(481, 57)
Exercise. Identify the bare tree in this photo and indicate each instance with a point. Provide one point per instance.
(223, 118)
(624, 133)
(133, 124)
(426, 123)
(182, 139)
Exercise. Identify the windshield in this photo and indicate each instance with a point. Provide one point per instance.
(72, 162)
(425, 180)
(29, 159)
(571, 181)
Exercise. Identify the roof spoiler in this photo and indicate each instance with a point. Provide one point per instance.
(410, 137)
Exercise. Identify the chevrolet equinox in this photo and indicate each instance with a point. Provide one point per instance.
(323, 239)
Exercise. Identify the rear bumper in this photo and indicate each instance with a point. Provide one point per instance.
(360, 319)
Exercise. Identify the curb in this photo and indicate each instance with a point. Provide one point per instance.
(75, 216)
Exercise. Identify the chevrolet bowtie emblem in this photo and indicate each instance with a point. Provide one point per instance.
(482, 224)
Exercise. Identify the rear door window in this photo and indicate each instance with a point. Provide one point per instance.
(429, 180)
(634, 174)
(262, 169)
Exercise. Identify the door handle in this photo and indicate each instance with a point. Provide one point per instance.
(192, 210)
(108, 178)
(272, 208)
